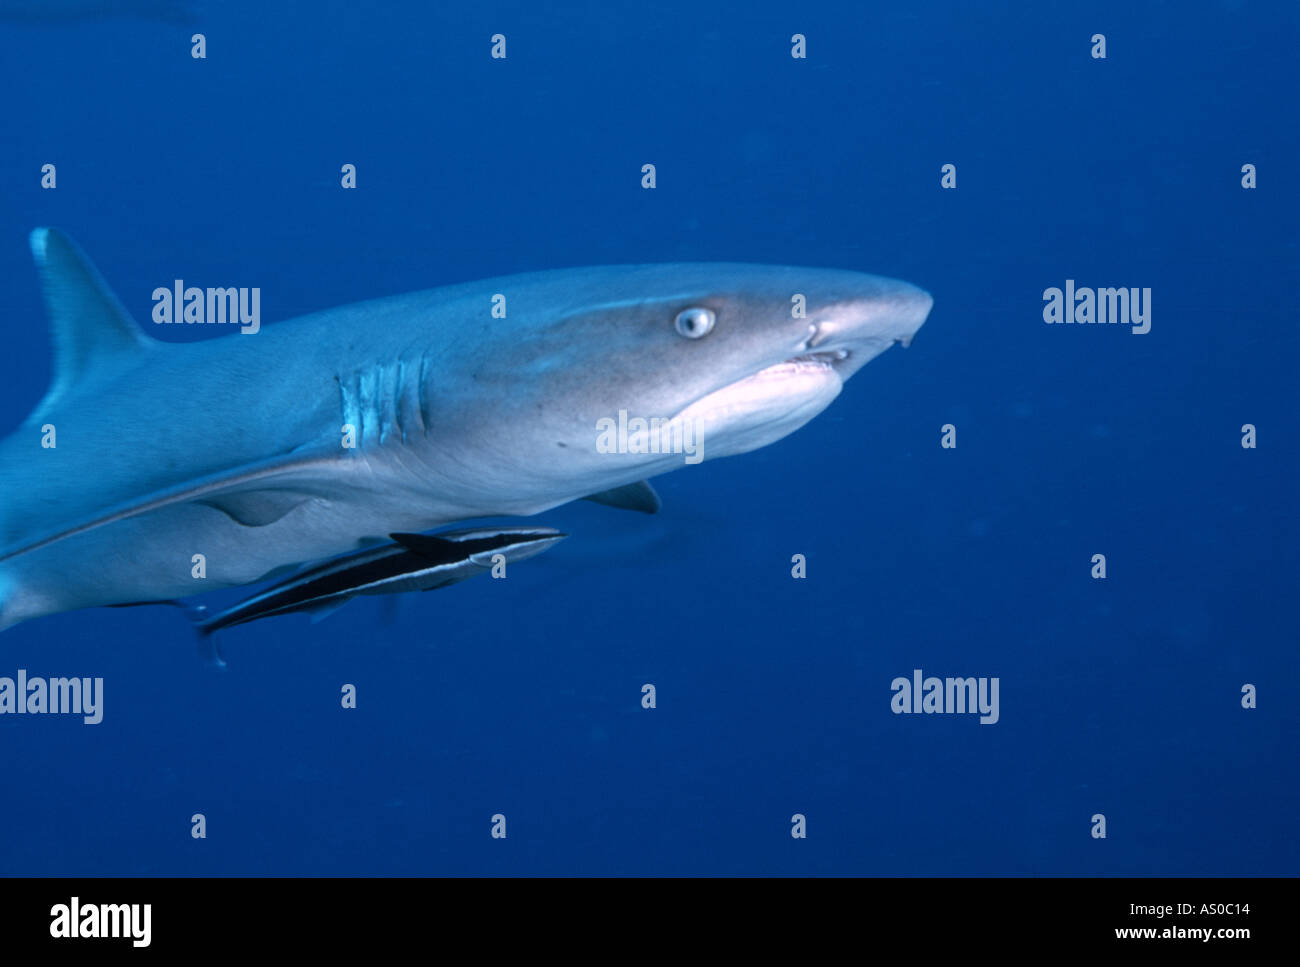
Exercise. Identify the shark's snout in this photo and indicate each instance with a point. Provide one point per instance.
(893, 312)
(913, 308)
(851, 331)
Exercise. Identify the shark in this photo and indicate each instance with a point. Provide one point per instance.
(155, 470)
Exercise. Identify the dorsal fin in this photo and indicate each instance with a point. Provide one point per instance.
(93, 335)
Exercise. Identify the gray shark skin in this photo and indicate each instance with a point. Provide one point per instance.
(232, 447)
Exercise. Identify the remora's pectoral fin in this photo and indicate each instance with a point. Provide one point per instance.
(639, 496)
(210, 651)
(93, 335)
(295, 479)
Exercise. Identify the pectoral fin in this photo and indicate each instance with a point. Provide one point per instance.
(256, 508)
(257, 492)
(639, 496)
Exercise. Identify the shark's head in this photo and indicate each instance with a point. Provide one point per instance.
(721, 358)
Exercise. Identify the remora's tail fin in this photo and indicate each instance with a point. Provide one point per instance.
(93, 334)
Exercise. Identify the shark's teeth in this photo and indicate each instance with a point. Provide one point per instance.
(830, 356)
(805, 363)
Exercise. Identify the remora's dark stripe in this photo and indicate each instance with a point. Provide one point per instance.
(370, 567)
(303, 589)
(301, 598)
(443, 550)
(375, 564)
(400, 561)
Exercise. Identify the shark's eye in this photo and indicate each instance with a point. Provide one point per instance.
(695, 323)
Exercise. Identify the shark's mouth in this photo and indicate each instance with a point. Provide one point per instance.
(806, 363)
(767, 404)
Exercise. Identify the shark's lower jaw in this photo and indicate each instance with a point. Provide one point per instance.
(767, 405)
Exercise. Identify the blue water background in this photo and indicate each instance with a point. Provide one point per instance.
(1119, 697)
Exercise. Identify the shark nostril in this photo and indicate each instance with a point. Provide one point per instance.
(813, 338)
